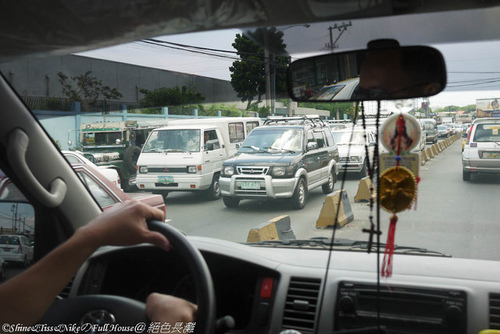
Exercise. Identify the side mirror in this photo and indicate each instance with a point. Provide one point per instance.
(70, 143)
(312, 145)
(237, 145)
(377, 73)
(464, 135)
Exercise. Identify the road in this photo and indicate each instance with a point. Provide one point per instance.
(445, 219)
(452, 216)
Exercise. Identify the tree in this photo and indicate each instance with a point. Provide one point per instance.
(86, 89)
(175, 96)
(248, 75)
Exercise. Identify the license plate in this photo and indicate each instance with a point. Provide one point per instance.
(491, 155)
(250, 185)
(165, 179)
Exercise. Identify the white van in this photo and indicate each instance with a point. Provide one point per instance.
(187, 155)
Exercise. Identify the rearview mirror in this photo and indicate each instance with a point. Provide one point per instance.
(374, 74)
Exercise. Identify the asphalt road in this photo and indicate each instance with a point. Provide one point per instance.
(452, 216)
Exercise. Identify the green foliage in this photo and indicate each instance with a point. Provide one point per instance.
(248, 75)
(181, 97)
(86, 88)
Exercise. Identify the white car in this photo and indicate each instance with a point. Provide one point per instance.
(16, 248)
(76, 157)
(351, 144)
(342, 90)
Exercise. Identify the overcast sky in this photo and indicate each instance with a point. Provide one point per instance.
(461, 60)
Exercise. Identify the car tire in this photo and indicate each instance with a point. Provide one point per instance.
(130, 158)
(299, 197)
(26, 262)
(466, 176)
(213, 193)
(3, 273)
(330, 185)
(230, 202)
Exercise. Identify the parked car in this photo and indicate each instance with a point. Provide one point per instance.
(481, 154)
(16, 249)
(431, 130)
(76, 157)
(286, 157)
(352, 146)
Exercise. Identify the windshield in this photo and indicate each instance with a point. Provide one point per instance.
(102, 138)
(270, 140)
(348, 137)
(173, 141)
(162, 81)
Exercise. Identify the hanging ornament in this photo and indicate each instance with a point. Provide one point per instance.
(398, 185)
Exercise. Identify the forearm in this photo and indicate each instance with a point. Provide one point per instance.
(26, 298)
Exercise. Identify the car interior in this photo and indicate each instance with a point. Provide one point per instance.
(319, 286)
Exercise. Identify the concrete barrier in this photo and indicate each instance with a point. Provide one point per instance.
(429, 153)
(425, 157)
(278, 228)
(331, 206)
(365, 191)
(435, 149)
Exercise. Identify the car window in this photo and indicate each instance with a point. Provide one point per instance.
(487, 133)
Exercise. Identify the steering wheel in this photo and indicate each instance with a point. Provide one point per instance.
(101, 309)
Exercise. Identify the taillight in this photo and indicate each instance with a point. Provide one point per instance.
(468, 136)
(20, 249)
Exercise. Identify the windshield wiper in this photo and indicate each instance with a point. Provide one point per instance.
(154, 150)
(283, 149)
(344, 244)
(255, 148)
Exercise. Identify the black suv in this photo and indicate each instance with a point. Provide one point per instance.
(284, 158)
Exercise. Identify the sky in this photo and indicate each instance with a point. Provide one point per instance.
(462, 62)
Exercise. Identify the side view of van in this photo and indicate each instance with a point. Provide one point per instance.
(431, 130)
(187, 155)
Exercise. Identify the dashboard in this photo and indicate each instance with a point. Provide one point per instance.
(268, 289)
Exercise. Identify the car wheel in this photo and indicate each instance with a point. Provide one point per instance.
(213, 192)
(230, 202)
(328, 187)
(300, 195)
(2, 272)
(130, 158)
(25, 262)
(130, 312)
(466, 176)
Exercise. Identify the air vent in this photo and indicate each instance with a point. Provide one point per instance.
(301, 304)
(494, 311)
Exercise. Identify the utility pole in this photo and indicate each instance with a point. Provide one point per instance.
(342, 28)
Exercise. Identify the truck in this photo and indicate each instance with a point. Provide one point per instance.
(117, 145)
(187, 155)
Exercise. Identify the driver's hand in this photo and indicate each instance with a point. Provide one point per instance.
(124, 224)
(169, 309)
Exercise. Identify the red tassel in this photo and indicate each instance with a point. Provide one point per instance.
(389, 248)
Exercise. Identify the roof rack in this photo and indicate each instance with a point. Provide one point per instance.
(313, 120)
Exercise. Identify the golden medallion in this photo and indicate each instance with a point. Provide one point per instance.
(398, 188)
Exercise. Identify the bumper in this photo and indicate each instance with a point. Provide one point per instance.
(351, 167)
(13, 257)
(184, 182)
(268, 187)
(493, 168)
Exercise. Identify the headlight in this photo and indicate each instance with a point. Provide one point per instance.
(282, 171)
(356, 159)
(228, 170)
(143, 169)
(191, 169)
